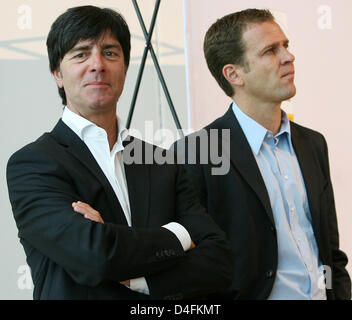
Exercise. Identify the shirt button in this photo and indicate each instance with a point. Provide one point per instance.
(269, 273)
(273, 230)
(286, 177)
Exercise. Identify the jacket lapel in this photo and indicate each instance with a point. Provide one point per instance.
(138, 181)
(310, 173)
(78, 149)
(243, 160)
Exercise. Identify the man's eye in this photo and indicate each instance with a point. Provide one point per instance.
(110, 53)
(80, 55)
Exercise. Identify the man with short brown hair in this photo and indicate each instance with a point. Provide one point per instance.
(276, 203)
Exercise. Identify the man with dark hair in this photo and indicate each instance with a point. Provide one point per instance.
(85, 23)
(92, 226)
(276, 202)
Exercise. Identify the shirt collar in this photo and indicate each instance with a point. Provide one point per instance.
(256, 133)
(79, 125)
(122, 134)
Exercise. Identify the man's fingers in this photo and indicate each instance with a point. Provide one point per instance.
(79, 208)
(192, 245)
(87, 211)
(126, 282)
(86, 207)
(92, 218)
(83, 208)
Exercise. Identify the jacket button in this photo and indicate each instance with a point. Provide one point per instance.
(269, 273)
(159, 254)
(177, 296)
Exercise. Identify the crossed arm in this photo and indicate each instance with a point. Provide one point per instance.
(89, 213)
(93, 215)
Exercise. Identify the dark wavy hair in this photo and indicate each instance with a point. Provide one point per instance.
(82, 23)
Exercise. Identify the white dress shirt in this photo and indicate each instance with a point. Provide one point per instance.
(111, 163)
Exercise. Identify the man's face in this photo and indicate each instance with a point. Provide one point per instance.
(93, 75)
(269, 77)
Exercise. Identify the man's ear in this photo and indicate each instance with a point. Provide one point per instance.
(232, 73)
(58, 77)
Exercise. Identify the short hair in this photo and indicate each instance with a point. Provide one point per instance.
(82, 23)
(223, 42)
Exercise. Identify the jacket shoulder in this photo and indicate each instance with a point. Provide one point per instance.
(307, 133)
(305, 130)
(36, 149)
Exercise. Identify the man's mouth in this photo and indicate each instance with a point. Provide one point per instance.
(98, 83)
(288, 75)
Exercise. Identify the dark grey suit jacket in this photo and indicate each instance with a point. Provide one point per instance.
(74, 258)
(239, 203)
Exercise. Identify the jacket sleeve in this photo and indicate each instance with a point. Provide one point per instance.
(341, 282)
(41, 195)
(209, 267)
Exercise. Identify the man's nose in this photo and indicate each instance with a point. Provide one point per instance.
(97, 63)
(287, 56)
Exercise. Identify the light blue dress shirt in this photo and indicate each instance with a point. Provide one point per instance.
(300, 274)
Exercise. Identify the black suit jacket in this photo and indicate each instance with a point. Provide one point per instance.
(74, 258)
(239, 203)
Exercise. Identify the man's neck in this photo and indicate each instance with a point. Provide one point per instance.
(110, 126)
(105, 120)
(266, 114)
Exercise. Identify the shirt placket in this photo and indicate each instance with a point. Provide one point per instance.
(296, 231)
(116, 162)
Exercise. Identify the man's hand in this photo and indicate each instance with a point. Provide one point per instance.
(192, 245)
(126, 282)
(87, 211)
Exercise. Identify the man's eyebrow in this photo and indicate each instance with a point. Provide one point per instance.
(111, 45)
(83, 47)
(104, 46)
(274, 45)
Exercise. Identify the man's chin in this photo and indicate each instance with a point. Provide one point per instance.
(290, 93)
(102, 104)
